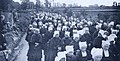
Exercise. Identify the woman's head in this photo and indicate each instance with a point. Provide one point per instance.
(83, 46)
(105, 45)
(97, 54)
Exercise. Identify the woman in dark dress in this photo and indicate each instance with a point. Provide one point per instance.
(107, 53)
(35, 48)
(54, 44)
(75, 42)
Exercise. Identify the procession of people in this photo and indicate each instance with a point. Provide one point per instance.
(54, 33)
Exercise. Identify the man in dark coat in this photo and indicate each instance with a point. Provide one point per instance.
(35, 49)
(54, 45)
(95, 34)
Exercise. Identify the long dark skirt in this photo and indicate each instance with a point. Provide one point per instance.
(50, 56)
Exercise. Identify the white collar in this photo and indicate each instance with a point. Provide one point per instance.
(84, 54)
(106, 53)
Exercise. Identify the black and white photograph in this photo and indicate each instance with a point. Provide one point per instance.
(59, 30)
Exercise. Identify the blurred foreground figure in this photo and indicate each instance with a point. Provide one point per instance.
(3, 42)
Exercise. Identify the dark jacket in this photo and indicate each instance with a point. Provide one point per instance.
(95, 34)
(97, 42)
(43, 31)
(35, 51)
(52, 48)
(66, 41)
(92, 29)
(80, 58)
(29, 34)
(86, 37)
(75, 45)
(62, 34)
(110, 58)
(48, 35)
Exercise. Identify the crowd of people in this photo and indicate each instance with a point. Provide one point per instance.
(91, 40)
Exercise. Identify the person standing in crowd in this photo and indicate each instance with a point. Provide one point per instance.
(43, 30)
(110, 26)
(48, 36)
(87, 37)
(92, 28)
(97, 42)
(97, 54)
(49, 33)
(107, 53)
(95, 34)
(79, 26)
(62, 32)
(70, 56)
(29, 33)
(75, 42)
(67, 40)
(35, 48)
(3, 42)
(54, 45)
(104, 26)
(83, 54)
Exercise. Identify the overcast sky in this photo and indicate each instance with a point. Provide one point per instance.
(81, 2)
